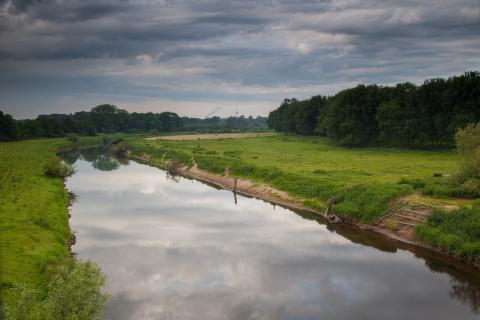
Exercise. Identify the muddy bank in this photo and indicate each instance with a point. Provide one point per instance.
(281, 198)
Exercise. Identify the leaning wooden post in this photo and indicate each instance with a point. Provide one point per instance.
(235, 189)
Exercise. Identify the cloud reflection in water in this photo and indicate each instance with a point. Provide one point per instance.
(183, 250)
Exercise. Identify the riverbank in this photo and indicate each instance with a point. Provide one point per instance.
(273, 169)
(34, 231)
(281, 198)
(35, 236)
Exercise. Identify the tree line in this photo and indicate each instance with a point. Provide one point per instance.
(404, 115)
(107, 118)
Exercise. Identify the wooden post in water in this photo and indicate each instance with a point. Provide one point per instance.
(234, 190)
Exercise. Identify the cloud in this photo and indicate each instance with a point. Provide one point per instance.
(72, 50)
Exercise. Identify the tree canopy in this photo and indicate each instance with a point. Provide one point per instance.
(107, 118)
(404, 115)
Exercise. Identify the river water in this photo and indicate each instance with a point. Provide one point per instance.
(174, 248)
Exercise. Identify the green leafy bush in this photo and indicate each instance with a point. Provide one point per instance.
(74, 293)
(72, 137)
(468, 147)
(56, 168)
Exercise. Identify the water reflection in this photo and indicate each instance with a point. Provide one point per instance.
(185, 251)
(98, 157)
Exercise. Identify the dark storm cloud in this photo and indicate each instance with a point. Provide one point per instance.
(227, 52)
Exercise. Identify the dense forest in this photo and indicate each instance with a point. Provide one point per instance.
(405, 115)
(108, 118)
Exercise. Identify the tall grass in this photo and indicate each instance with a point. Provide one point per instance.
(457, 232)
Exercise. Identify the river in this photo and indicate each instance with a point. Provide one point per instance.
(174, 248)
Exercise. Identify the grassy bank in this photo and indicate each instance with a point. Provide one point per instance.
(34, 231)
(362, 181)
(456, 232)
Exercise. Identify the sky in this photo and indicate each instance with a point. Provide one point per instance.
(211, 57)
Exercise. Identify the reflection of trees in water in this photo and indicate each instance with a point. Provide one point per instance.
(92, 154)
(70, 156)
(105, 162)
(463, 279)
(466, 292)
(465, 285)
(100, 158)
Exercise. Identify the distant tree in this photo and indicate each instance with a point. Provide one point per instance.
(350, 117)
(8, 128)
(105, 108)
(69, 125)
(170, 121)
(306, 114)
(30, 129)
(397, 119)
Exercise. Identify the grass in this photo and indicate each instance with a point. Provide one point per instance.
(34, 228)
(457, 232)
(34, 231)
(363, 181)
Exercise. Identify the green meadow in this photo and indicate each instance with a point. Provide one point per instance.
(34, 231)
(363, 181)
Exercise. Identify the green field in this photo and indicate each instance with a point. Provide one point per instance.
(33, 213)
(34, 231)
(363, 180)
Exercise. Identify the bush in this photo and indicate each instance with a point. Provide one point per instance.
(74, 293)
(120, 149)
(25, 305)
(56, 168)
(468, 147)
(72, 137)
(471, 188)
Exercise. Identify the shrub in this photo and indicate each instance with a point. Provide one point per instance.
(120, 148)
(72, 137)
(56, 168)
(74, 293)
(25, 305)
(471, 188)
(468, 147)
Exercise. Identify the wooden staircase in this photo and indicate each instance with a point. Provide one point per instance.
(405, 215)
